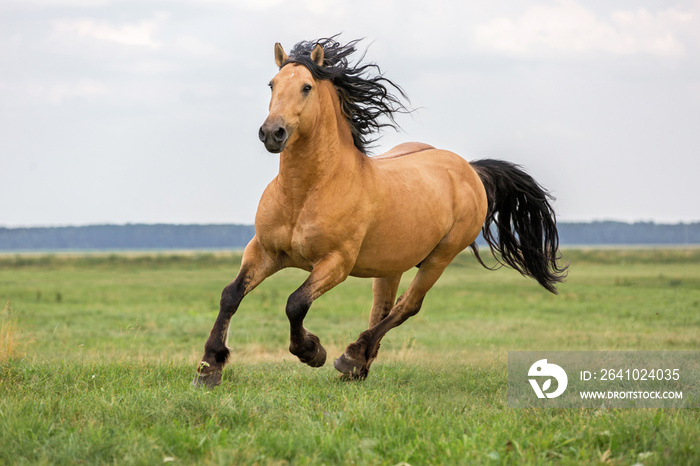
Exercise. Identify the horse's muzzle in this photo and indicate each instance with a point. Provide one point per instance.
(274, 136)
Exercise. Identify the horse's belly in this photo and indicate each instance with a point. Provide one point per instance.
(386, 265)
(396, 247)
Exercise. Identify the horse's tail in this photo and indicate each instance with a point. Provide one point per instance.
(526, 235)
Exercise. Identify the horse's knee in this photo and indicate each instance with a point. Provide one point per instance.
(232, 295)
(298, 305)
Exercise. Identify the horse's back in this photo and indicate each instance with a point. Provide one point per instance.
(422, 163)
(403, 149)
(421, 196)
(411, 156)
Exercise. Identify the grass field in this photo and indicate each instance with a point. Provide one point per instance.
(97, 353)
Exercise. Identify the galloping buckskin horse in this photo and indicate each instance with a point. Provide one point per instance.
(334, 211)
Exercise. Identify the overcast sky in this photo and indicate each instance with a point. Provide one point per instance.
(147, 112)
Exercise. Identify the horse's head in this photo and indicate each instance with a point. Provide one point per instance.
(294, 102)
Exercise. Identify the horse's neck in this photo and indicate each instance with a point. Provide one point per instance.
(327, 153)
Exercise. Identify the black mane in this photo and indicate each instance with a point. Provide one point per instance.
(362, 89)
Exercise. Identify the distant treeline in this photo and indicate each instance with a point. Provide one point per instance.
(628, 233)
(139, 236)
(115, 237)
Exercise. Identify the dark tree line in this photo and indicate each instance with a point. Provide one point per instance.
(139, 236)
(115, 237)
(629, 233)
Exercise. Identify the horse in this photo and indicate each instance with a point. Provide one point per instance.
(335, 212)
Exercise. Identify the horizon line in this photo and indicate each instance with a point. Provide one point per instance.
(125, 224)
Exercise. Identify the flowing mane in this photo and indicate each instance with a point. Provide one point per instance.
(363, 90)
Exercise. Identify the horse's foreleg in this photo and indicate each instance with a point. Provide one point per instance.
(358, 356)
(256, 266)
(324, 276)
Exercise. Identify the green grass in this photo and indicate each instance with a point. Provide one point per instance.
(102, 350)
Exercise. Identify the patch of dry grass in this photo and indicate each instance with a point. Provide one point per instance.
(8, 333)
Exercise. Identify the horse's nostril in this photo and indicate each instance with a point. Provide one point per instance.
(261, 134)
(280, 135)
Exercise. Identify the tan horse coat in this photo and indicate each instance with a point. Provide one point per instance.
(334, 212)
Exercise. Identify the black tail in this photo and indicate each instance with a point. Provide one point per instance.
(526, 225)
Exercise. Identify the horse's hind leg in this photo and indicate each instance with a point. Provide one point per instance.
(256, 266)
(384, 297)
(358, 356)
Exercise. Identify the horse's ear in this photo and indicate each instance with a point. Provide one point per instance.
(317, 55)
(280, 55)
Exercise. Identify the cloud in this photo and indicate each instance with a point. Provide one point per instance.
(248, 5)
(134, 34)
(569, 28)
(196, 47)
(57, 93)
(33, 91)
(34, 5)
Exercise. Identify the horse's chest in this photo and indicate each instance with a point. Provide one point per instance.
(301, 236)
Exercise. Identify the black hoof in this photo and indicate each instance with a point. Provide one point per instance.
(351, 369)
(209, 381)
(208, 375)
(314, 354)
(318, 360)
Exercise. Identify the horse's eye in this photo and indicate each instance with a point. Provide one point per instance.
(306, 89)
(269, 84)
